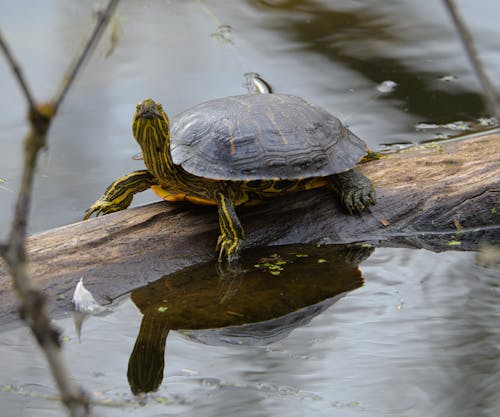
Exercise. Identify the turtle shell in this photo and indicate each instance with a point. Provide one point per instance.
(262, 136)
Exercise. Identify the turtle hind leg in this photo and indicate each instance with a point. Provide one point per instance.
(356, 191)
(120, 193)
(232, 234)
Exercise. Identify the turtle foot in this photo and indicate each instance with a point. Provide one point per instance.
(103, 206)
(356, 191)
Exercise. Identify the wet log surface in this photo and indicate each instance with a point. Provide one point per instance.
(428, 196)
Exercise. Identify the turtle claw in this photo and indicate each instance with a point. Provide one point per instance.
(88, 214)
(358, 200)
(101, 206)
(355, 190)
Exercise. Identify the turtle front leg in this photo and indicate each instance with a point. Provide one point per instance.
(356, 191)
(120, 193)
(232, 234)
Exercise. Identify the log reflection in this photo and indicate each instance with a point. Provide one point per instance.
(280, 289)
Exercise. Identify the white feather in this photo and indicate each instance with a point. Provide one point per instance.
(84, 301)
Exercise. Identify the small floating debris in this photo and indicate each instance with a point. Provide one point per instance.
(273, 264)
(457, 126)
(448, 78)
(161, 399)
(386, 87)
(273, 269)
(189, 372)
(255, 84)
(223, 34)
(367, 245)
(394, 147)
(487, 121)
(2, 181)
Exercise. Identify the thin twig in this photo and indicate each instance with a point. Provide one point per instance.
(34, 309)
(33, 302)
(16, 69)
(104, 17)
(491, 101)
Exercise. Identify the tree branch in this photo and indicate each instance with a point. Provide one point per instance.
(491, 101)
(104, 17)
(33, 301)
(16, 69)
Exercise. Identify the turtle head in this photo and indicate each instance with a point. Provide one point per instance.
(150, 123)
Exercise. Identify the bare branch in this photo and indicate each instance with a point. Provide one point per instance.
(16, 69)
(73, 70)
(34, 310)
(491, 101)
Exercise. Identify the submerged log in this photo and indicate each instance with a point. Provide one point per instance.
(430, 196)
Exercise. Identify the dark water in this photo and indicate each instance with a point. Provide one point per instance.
(413, 333)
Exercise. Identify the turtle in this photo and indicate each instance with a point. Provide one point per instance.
(241, 150)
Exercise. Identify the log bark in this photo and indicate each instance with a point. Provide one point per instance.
(436, 196)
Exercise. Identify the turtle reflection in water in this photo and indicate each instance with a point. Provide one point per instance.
(238, 151)
(259, 309)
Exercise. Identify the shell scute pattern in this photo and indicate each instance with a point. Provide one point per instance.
(262, 136)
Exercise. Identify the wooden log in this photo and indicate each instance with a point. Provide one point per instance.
(427, 196)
